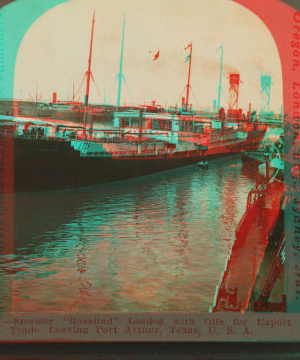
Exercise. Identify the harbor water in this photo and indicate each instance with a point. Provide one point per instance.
(154, 243)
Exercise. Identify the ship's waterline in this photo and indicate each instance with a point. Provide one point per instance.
(154, 243)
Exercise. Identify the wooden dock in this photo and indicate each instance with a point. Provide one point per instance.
(252, 236)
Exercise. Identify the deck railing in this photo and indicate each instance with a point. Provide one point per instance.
(255, 194)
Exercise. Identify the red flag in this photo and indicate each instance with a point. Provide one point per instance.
(156, 56)
(190, 45)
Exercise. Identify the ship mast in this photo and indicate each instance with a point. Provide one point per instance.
(88, 74)
(220, 81)
(120, 75)
(189, 76)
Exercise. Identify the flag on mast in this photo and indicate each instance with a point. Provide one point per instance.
(189, 56)
(156, 56)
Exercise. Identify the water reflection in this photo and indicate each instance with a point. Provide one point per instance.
(84, 286)
(157, 243)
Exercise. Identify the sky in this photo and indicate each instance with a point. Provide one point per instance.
(54, 52)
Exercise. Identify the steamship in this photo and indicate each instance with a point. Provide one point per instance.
(52, 155)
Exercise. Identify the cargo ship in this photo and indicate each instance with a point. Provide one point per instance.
(51, 154)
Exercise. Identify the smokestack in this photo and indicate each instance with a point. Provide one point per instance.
(234, 82)
(265, 93)
(215, 105)
(16, 108)
(54, 98)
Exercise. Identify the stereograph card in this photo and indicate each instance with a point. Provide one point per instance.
(149, 171)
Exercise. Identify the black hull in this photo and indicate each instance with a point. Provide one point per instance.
(256, 159)
(252, 159)
(52, 165)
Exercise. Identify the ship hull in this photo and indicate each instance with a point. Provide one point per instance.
(257, 160)
(252, 159)
(52, 165)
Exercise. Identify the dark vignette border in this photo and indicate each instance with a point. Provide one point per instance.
(149, 351)
(140, 350)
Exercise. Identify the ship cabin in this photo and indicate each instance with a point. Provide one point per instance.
(36, 128)
(174, 127)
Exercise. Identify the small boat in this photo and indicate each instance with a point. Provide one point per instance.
(276, 169)
(203, 165)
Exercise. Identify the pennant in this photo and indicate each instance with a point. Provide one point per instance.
(190, 45)
(156, 56)
(187, 58)
(220, 47)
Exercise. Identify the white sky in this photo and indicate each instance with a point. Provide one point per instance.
(54, 52)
